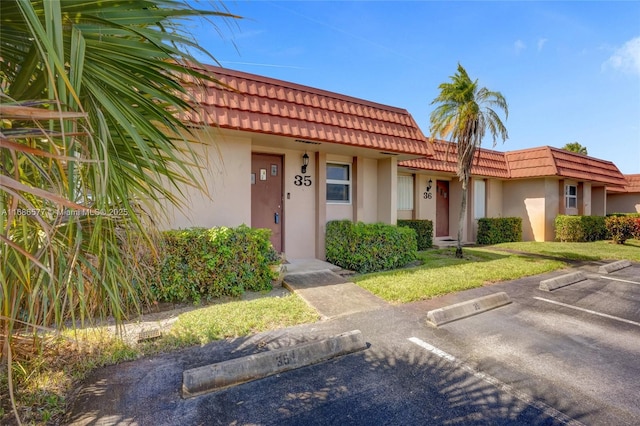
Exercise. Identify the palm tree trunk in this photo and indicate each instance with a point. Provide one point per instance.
(461, 217)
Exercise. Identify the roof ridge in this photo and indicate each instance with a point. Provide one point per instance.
(553, 160)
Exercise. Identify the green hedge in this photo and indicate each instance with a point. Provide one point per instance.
(499, 230)
(623, 227)
(369, 247)
(424, 231)
(199, 263)
(580, 228)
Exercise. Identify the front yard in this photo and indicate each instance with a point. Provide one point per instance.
(44, 379)
(442, 273)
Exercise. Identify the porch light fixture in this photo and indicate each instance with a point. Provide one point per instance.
(305, 163)
(429, 185)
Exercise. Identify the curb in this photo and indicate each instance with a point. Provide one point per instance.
(458, 311)
(209, 378)
(615, 266)
(562, 281)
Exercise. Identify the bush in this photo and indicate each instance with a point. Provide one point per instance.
(580, 228)
(369, 247)
(499, 230)
(623, 228)
(424, 231)
(199, 263)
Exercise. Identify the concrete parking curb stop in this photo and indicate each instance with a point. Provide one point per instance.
(208, 378)
(562, 281)
(614, 266)
(447, 314)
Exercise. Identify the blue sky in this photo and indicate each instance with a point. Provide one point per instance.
(570, 71)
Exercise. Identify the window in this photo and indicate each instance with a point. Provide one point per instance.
(479, 199)
(571, 196)
(338, 183)
(405, 192)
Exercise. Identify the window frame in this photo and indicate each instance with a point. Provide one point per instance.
(479, 201)
(411, 179)
(568, 196)
(348, 182)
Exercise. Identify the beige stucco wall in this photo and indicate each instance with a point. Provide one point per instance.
(587, 201)
(623, 203)
(598, 201)
(226, 174)
(405, 214)
(387, 200)
(494, 198)
(370, 191)
(552, 208)
(424, 208)
(526, 199)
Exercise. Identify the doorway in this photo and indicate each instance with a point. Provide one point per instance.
(442, 208)
(266, 196)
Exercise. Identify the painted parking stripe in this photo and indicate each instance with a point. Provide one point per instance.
(588, 311)
(546, 409)
(621, 280)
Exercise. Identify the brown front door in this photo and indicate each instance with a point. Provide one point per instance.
(442, 208)
(266, 195)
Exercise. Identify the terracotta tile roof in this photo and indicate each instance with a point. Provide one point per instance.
(528, 163)
(549, 161)
(264, 105)
(632, 185)
(486, 163)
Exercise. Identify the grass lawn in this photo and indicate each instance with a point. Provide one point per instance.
(597, 250)
(442, 273)
(239, 319)
(44, 379)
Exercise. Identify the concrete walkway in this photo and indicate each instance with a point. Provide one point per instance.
(329, 293)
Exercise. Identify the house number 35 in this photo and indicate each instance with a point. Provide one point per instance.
(300, 180)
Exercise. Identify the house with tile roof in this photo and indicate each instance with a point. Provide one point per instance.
(624, 199)
(536, 184)
(290, 158)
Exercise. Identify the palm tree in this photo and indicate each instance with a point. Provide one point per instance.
(463, 115)
(576, 147)
(91, 96)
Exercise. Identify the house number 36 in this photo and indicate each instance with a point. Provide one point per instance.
(300, 180)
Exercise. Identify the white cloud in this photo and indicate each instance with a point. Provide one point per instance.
(541, 42)
(625, 58)
(519, 46)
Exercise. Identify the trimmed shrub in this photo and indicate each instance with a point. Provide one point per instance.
(199, 263)
(424, 231)
(580, 228)
(499, 230)
(369, 247)
(622, 228)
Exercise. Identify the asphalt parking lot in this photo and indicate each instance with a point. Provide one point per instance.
(564, 357)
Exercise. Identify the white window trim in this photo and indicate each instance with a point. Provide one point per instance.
(411, 195)
(341, 182)
(568, 196)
